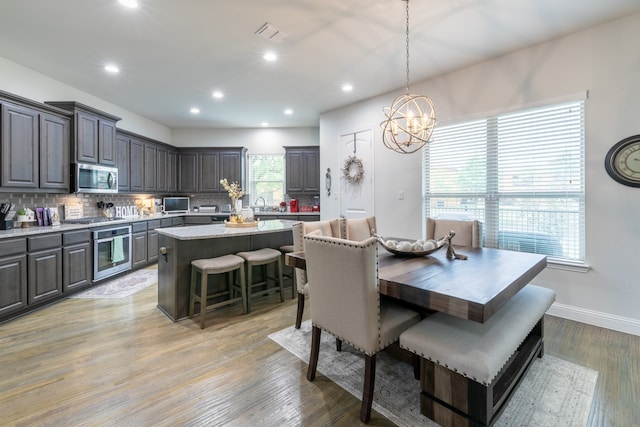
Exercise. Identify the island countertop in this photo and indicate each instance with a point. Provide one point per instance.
(211, 231)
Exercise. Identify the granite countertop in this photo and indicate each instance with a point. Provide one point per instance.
(24, 232)
(221, 230)
(33, 230)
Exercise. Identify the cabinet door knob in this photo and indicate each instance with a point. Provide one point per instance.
(164, 251)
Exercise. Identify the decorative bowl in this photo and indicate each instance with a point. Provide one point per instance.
(410, 253)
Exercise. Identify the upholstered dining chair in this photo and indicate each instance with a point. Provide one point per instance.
(345, 302)
(333, 227)
(468, 233)
(359, 229)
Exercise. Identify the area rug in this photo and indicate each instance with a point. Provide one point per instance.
(122, 286)
(553, 393)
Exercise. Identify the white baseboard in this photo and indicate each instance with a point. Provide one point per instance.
(596, 318)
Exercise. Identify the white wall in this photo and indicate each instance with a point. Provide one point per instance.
(27, 83)
(604, 61)
(257, 141)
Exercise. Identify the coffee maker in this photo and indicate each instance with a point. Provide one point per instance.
(316, 204)
(293, 205)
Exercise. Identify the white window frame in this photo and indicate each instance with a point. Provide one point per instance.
(486, 193)
(251, 187)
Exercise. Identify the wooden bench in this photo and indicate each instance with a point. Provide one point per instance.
(469, 370)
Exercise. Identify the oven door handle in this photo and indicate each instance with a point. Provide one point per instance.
(108, 239)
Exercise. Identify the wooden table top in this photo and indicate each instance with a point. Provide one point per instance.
(472, 289)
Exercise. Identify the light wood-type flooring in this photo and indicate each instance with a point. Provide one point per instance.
(121, 362)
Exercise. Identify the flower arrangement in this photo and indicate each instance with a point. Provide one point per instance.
(235, 192)
(234, 189)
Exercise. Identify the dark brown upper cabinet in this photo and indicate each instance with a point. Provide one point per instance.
(201, 169)
(34, 147)
(145, 165)
(302, 165)
(94, 134)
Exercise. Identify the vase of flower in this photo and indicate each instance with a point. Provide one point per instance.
(235, 193)
(233, 216)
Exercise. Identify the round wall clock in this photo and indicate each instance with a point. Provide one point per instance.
(623, 161)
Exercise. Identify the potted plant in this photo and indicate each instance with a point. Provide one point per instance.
(24, 215)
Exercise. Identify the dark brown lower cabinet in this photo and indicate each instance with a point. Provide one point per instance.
(152, 239)
(76, 260)
(45, 275)
(139, 249)
(44, 263)
(13, 283)
(152, 246)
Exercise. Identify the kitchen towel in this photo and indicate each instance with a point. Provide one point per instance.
(117, 249)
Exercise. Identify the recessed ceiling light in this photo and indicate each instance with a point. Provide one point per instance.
(218, 95)
(195, 110)
(129, 3)
(112, 68)
(347, 87)
(270, 56)
(288, 111)
(264, 124)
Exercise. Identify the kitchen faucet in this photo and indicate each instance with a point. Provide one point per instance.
(264, 202)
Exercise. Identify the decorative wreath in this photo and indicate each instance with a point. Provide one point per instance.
(353, 170)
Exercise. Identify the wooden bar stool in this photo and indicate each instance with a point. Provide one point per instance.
(262, 257)
(219, 265)
(292, 275)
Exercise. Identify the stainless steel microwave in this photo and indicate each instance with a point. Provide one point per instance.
(95, 179)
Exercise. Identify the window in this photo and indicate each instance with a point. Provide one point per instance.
(266, 177)
(521, 174)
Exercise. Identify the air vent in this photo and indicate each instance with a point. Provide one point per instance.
(271, 33)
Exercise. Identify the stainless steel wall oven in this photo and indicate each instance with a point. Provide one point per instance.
(111, 251)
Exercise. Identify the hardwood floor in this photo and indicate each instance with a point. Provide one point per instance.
(102, 362)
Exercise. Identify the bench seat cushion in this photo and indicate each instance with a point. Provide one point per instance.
(479, 350)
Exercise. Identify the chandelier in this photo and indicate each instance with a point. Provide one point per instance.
(410, 119)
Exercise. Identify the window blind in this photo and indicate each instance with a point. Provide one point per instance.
(521, 174)
(266, 177)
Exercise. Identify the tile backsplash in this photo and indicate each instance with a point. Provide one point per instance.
(89, 202)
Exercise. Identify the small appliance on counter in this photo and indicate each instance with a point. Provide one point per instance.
(156, 206)
(6, 216)
(175, 205)
(209, 208)
(316, 204)
(293, 205)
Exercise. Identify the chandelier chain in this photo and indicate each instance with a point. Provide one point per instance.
(407, 34)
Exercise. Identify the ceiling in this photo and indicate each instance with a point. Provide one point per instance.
(174, 54)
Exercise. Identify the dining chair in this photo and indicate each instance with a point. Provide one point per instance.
(359, 229)
(345, 302)
(333, 227)
(468, 233)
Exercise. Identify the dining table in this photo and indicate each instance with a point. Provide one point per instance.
(473, 288)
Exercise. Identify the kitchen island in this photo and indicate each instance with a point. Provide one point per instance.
(181, 245)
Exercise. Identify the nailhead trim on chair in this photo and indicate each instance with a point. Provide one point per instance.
(357, 246)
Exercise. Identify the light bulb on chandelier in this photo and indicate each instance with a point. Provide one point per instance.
(410, 119)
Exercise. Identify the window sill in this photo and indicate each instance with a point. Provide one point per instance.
(576, 267)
